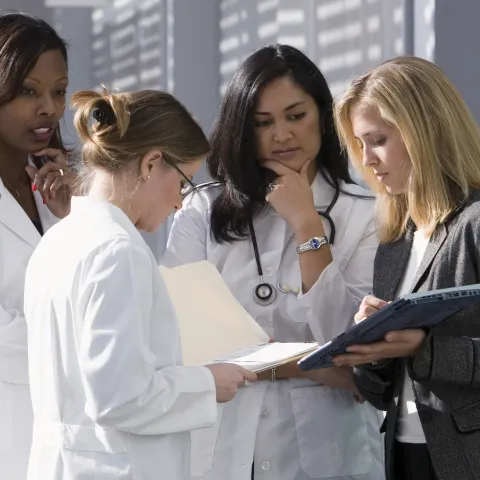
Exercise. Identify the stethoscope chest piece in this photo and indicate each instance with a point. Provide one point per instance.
(264, 294)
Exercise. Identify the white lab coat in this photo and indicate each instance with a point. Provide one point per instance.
(110, 397)
(18, 239)
(292, 429)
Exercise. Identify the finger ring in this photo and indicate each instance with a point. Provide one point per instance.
(374, 362)
(271, 187)
(61, 172)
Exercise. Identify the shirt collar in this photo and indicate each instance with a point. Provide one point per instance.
(94, 206)
(323, 192)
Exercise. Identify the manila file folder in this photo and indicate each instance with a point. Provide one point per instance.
(215, 327)
(212, 322)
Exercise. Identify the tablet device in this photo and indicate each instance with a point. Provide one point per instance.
(414, 310)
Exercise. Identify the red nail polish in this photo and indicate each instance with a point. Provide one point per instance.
(34, 187)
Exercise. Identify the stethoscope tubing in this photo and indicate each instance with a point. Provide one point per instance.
(326, 215)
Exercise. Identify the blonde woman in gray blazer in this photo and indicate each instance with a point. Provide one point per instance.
(414, 140)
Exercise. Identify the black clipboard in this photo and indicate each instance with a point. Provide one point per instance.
(414, 310)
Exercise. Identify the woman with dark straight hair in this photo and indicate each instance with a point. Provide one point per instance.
(34, 193)
(234, 157)
(294, 239)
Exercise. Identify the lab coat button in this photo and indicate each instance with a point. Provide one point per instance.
(265, 412)
(266, 465)
(269, 271)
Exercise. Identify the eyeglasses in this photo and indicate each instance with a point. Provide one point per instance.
(189, 186)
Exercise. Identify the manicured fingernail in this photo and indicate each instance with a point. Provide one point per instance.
(44, 201)
(34, 187)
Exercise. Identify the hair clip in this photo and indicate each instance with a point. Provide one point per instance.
(104, 117)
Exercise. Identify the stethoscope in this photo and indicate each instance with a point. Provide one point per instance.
(265, 293)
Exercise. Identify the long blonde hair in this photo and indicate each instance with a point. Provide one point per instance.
(440, 135)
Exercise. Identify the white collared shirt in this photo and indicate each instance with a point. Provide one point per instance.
(409, 427)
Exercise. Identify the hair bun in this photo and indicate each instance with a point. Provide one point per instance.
(111, 111)
(104, 114)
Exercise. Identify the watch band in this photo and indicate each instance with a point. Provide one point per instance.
(313, 244)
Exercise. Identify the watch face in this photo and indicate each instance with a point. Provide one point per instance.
(314, 243)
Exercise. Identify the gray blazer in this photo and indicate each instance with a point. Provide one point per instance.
(445, 375)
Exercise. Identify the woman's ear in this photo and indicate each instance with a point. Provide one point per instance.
(150, 161)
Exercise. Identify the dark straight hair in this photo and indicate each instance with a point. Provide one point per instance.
(23, 39)
(233, 160)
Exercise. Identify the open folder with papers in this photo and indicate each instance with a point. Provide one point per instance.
(214, 327)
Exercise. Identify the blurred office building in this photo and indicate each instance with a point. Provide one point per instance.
(192, 47)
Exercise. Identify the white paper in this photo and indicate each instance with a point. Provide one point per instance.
(263, 357)
(212, 322)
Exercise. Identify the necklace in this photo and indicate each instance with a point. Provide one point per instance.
(17, 193)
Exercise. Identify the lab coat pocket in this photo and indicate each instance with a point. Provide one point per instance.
(84, 451)
(332, 432)
(204, 441)
(88, 438)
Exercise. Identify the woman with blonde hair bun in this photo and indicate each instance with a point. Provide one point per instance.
(110, 396)
(409, 132)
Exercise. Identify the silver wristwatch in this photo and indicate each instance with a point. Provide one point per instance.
(313, 244)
